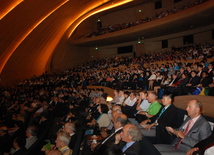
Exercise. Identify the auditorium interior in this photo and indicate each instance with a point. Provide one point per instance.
(63, 61)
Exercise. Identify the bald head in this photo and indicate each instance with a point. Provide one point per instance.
(69, 128)
(120, 120)
(194, 108)
(113, 114)
(116, 108)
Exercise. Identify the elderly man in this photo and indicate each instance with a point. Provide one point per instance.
(131, 135)
(31, 134)
(70, 128)
(119, 121)
(194, 129)
(62, 141)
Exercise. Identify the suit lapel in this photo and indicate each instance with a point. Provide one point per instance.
(195, 126)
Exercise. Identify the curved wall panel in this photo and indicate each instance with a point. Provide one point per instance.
(34, 35)
(34, 30)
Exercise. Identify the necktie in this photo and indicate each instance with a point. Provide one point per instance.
(185, 132)
(162, 111)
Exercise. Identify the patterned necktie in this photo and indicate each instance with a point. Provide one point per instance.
(185, 132)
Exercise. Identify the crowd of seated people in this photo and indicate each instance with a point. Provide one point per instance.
(168, 75)
(162, 14)
(110, 121)
(99, 72)
(153, 120)
(26, 109)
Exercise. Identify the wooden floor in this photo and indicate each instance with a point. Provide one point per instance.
(208, 103)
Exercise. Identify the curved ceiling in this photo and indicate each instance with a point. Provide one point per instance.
(31, 30)
(35, 33)
(188, 19)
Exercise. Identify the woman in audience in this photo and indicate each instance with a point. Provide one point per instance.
(163, 84)
(151, 79)
(158, 80)
(205, 80)
(103, 120)
(179, 85)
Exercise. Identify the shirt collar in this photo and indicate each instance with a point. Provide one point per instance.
(129, 144)
(195, 119)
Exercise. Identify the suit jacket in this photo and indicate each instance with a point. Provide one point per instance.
(72, 141)
(147, 148)
(20, 151)
(200, 130)
(167, 118)
(194, 81)
(206, 81)
(110, 140)
(5, 143)
(202, 145)
(30, 141)
(183, 82)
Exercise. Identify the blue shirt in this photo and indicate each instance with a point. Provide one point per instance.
(127, 146)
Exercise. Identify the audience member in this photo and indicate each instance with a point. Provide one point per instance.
(19, 146)
(31, 134)
(62, 142)
(152, 110)
(5, 140)
(194, 129)
(165, 117)
(131, 135)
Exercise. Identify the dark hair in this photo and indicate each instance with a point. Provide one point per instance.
(205, 72)
(102, 90)
(169, 95)
(194, 72)
(134, 93)
(104, 108)
(127, 93)
(143, 91)
(20, 141)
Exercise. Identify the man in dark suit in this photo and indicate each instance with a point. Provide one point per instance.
(132, 136)
(119, 121)
(194, 80)
(5, 140)
(210, 70)
(70, 128)
(19, 146)
(165, 117)
(194, 129)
